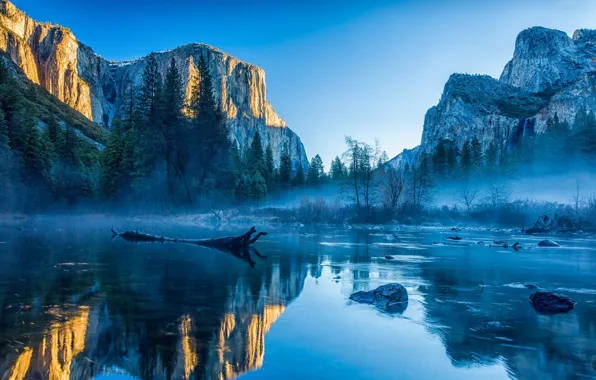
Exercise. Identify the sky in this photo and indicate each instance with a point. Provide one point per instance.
(369, 69)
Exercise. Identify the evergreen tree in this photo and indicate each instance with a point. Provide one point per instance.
(316, 171)
(338, 169)
(466, 159)
(210, 133)
(439, 159)
(285, 168)
(173, 134)
(146, 135)
(112, 163)
(255, 158)
(36, 163)
(492, 157)
(476, 155)
(269, 167)
(53, 130)
(299, 179)
(251, 187)
(3, 130)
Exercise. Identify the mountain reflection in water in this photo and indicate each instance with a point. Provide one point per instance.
(74, 304)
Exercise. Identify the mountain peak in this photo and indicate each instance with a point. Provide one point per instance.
(545, 59)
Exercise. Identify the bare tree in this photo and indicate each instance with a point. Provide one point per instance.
(362, 159)
(498, 194)
(468, 196)
(391, 183)
(576, 197)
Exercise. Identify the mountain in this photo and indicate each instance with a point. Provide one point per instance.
(51, 56)
(550, 74)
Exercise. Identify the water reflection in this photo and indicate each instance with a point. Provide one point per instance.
(75, 305)
(142, 311)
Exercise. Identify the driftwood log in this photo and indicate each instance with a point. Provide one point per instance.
(239, 246)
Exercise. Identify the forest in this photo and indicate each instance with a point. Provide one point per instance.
(166, 155)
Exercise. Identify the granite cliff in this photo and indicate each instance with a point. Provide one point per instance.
(51, 56)
(550, 73)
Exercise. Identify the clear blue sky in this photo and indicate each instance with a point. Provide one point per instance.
(368, 68)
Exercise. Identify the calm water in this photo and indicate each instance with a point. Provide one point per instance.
(75, 304)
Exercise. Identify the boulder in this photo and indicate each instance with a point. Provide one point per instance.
(391, 298)
(551, 303)
(548, 243)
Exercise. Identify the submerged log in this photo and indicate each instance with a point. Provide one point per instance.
(239, 246)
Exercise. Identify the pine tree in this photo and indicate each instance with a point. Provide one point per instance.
(316, 171)
(299, 179)
(255, 156)
(53, 130)
(147, 139)
(36, 163)
(285, 168)
(3, 130)
(270, 167)
(439, 159)
(112, 163)
(210, 132)
(338, 169)
(492, 157)
(476, 155)
(172, 134)
(466, 159)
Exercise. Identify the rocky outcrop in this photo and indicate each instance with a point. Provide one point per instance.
(550, 73)
(406, 157)
(392, 298)
(52, 57)
(545, 59)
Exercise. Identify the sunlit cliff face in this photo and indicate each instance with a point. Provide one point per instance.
(48, 54)
(51, 56)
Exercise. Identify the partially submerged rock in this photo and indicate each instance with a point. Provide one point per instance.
(548, 243)
(392, 298)
(551, 303)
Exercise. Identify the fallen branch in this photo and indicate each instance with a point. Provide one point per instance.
(238, 246)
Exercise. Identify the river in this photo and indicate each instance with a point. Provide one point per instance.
(76, 304)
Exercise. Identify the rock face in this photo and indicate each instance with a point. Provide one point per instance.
(392, 298)
(51, 56)
(551, 303)
(406, 157)
(550, 73)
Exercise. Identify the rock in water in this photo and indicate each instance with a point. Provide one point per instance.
(548, 243)
(392, 298)
(551, 303)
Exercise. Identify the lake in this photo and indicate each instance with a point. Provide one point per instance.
(76, 304)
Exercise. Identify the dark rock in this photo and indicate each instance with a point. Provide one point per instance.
(551, 303)
(363, 297)
(392, 298)
(548, 243)
(389, 257)
(531, 286)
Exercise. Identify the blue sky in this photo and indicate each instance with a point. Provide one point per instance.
(368, 68)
